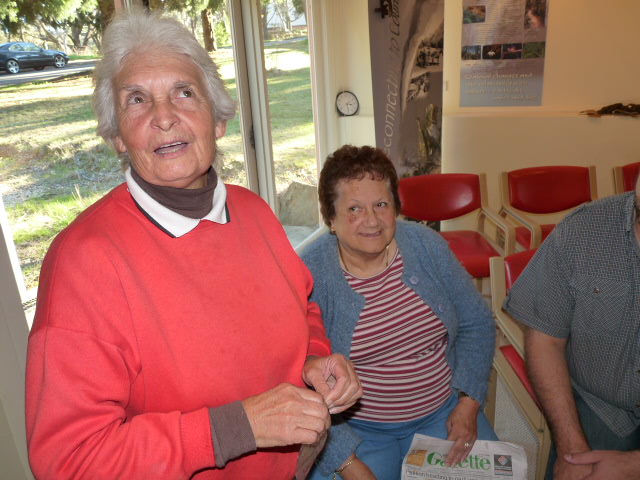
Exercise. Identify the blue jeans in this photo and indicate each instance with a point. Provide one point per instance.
(384, 445)
(598, 434)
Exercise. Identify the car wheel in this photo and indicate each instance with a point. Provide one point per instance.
(59, 61)
(38, 68)
(12, 66)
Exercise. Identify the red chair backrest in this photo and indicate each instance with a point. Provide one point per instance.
(548, 189)
(630, 176)
(520, 369)
(514, 265)
(439, 196)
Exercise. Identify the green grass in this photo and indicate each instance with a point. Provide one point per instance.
(53, 165)
(35, 223)
(83, 57)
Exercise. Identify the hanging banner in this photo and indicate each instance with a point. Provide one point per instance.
(406, 66)
(503, 49)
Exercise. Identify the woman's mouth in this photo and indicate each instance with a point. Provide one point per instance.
(170, 148)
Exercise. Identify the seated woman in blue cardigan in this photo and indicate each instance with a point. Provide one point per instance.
(396, 302)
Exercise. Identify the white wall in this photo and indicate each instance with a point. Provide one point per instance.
(341, 61)
(591, 62)
(13, 342)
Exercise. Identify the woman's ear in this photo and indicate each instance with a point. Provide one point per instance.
(221, 129)
(119, 144)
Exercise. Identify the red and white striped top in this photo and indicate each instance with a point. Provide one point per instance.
(398, 350)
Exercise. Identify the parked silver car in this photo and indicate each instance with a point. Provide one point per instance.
(15, 56)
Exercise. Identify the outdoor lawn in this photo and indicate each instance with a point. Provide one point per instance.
(52, 164)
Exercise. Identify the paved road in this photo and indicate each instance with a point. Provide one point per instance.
(49, 73)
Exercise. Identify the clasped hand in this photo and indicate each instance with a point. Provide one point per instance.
(335, 379)
(287, 415)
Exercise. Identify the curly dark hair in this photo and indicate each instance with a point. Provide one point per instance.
(354, 163)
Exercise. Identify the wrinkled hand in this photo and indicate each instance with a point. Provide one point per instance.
(287, 415)
(462, 426)
(608, 464)
(335, 379)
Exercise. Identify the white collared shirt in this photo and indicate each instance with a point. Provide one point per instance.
(174, 223)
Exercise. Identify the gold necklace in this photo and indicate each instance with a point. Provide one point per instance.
(344, 264)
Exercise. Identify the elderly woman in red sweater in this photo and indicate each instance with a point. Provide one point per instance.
(173, 336)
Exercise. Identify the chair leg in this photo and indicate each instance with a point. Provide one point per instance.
(490, 404)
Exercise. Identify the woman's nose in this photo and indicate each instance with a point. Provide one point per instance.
(371, 217)
(164, 116)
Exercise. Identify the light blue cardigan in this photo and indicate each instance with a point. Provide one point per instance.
(433, 272)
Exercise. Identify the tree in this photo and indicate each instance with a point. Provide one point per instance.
(56, 21)
(9, 16)
(9, 11)
(282, 8)
(207, 17)
(299, 6)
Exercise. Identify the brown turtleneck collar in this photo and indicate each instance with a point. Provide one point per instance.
(192, 203)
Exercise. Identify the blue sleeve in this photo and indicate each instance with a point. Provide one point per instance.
(474, 341)
(341, 444)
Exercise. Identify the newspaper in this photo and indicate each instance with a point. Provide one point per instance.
(487, 461)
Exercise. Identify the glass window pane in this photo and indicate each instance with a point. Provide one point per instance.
(231, 164)
(53, 165)
(287, 63)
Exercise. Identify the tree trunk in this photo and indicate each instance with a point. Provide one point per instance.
(282, 9)
(227, 21)
(87, 36)
(46, 34)
(74, 34)
(265, 22)
(107, 9)
(207, 30)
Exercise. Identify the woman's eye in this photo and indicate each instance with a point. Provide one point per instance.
(135, 99)
(382, 204)
(186, 93)
(354, 209)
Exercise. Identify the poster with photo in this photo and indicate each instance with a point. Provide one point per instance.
(406, 66)
(503, 50)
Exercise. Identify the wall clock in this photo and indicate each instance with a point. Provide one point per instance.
(347, 103)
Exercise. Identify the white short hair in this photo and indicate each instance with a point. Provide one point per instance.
(138, 31)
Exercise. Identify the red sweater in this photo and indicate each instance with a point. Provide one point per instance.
(136, 334)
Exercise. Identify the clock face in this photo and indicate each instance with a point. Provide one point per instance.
(347, 103)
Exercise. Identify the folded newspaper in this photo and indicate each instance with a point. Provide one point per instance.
(487, 461)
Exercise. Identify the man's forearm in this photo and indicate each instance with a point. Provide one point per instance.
(549, 374)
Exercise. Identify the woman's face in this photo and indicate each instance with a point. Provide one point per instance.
(365, 219)
(165, 120)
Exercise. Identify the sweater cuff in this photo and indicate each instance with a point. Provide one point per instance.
(231, 432)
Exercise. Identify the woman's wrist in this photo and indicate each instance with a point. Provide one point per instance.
(347, 463)
(469, 403)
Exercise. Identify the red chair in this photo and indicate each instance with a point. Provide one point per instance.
(504, 272)
(543, 190)
(444, 196)
(509, 365)
(625, 177)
